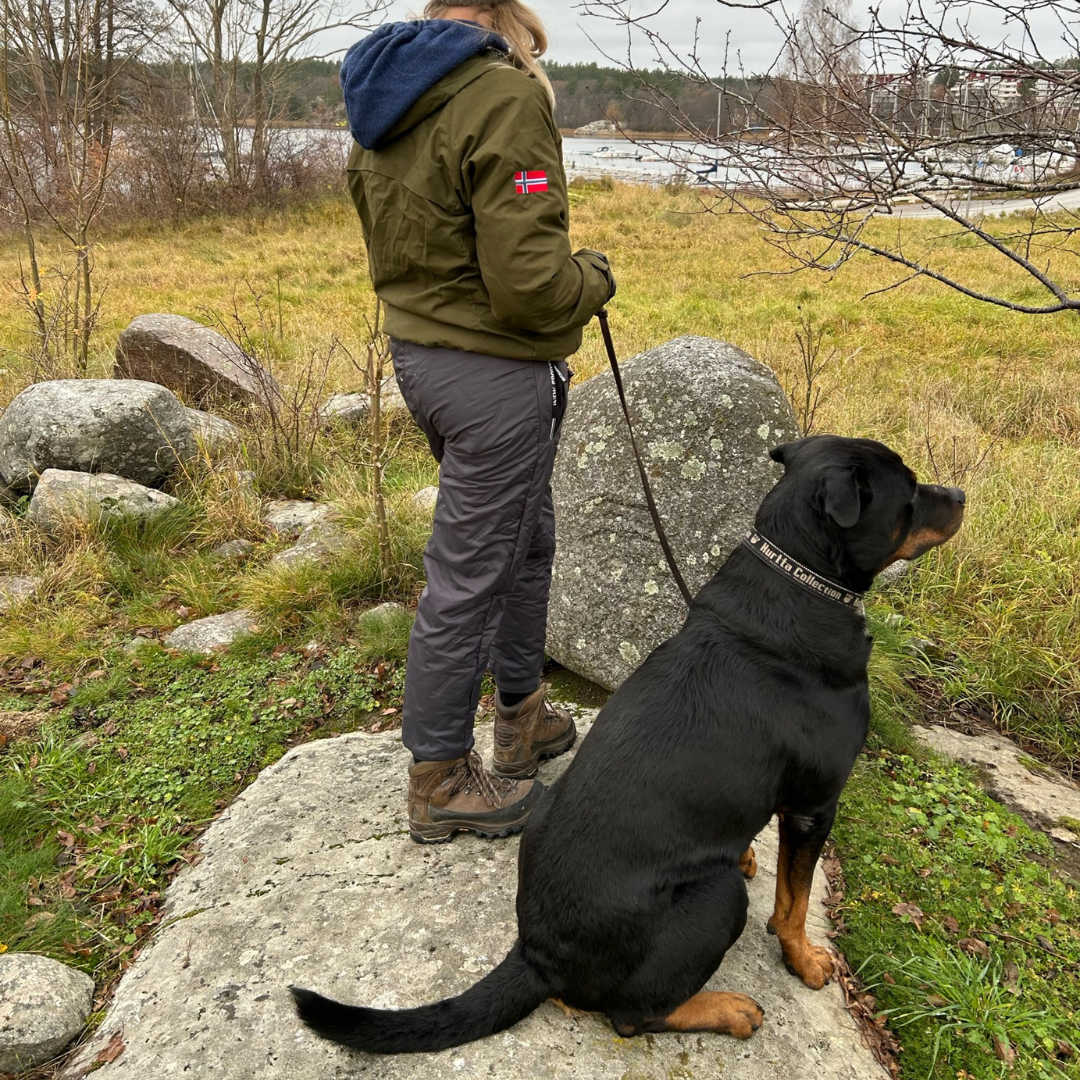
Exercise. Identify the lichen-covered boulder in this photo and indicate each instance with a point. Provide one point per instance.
(15, 588)
(214, 632)
(290, 517)
(706, 415)
(137, 430)
(63, 497)
(192, 359)
(43, 1006)
(214, 432)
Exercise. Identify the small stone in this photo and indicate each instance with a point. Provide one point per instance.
(62, 497)
(212, 633)
(43, 1006)
(289, 517)
(316, 542)
(1066, 836)
(354, 408)
(233, 549)
(919, 647)
(137, 644)
(15, 589)
(214, 432)
(386, 609)
(895, 573)
(425, 499)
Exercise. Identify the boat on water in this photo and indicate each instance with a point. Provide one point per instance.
(607, 152)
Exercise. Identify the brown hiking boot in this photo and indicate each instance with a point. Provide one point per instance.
(524, 735)
(446, 797)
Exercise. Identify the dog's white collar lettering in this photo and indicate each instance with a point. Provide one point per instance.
(769, 553)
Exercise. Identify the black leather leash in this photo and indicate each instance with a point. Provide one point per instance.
(646, 486)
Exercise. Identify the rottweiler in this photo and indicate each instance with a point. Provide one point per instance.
(632, 870)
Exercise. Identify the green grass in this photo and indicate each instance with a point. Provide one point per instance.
(990, 949)
(96, 815)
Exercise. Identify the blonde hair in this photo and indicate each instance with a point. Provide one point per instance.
(519, 26)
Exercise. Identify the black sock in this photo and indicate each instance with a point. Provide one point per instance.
(510, 700)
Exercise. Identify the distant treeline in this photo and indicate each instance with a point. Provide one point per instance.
(583, 93)
(588, 92)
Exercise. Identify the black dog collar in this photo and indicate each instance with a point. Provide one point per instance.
(769, 553)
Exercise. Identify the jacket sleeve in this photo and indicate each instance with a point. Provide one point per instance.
(522, 240)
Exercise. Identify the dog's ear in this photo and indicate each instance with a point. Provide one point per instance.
(842, 496)
(782, 452)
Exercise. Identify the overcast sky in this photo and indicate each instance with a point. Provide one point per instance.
(753, 36)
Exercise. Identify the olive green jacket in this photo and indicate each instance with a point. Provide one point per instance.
(459, 257)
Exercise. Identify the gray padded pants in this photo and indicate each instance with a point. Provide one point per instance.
(493, 426)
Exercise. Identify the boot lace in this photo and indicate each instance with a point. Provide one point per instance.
(474, 777)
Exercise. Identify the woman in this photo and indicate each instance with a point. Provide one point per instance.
(458, 180)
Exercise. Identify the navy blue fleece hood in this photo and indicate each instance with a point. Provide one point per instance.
(384, 75)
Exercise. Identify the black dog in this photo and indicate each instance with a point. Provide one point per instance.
(631, 882)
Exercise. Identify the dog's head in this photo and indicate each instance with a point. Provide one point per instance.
(855, 504)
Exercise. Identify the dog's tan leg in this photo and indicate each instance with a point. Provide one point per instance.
(801, 841)
(726, 1014)
(748, 863)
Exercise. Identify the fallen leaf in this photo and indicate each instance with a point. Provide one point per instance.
(123, 753)
(388, 712)
(951, 924)
(1046, 943)
(1053, 917)
(112, 1051)
(1012, 977)
(975, 947)
(912, 911)
(1004, 1052)
(890, 860)
(109, 728)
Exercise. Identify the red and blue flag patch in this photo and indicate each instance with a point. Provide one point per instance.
(528, 181)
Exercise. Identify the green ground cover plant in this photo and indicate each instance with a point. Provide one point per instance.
(99, 811)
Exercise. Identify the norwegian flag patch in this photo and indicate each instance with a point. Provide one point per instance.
(527, 182)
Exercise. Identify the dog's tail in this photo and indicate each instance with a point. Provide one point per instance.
(499, 1000)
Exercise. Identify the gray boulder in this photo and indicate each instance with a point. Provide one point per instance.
(191, 359)
(214, 432)
(43, 1006)
(425, 499)
(63, 497)
(310, 879)
(706, 415)
(137, 430)
(214, 632)
(354, 408)
(318, 541)
(233, 549)
(16, 588)
(290, 517)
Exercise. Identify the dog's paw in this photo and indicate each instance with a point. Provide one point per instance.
(742, 1016)
(748, 863)
(811, 963)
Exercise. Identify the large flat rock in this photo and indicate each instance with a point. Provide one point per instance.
(310, 878)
